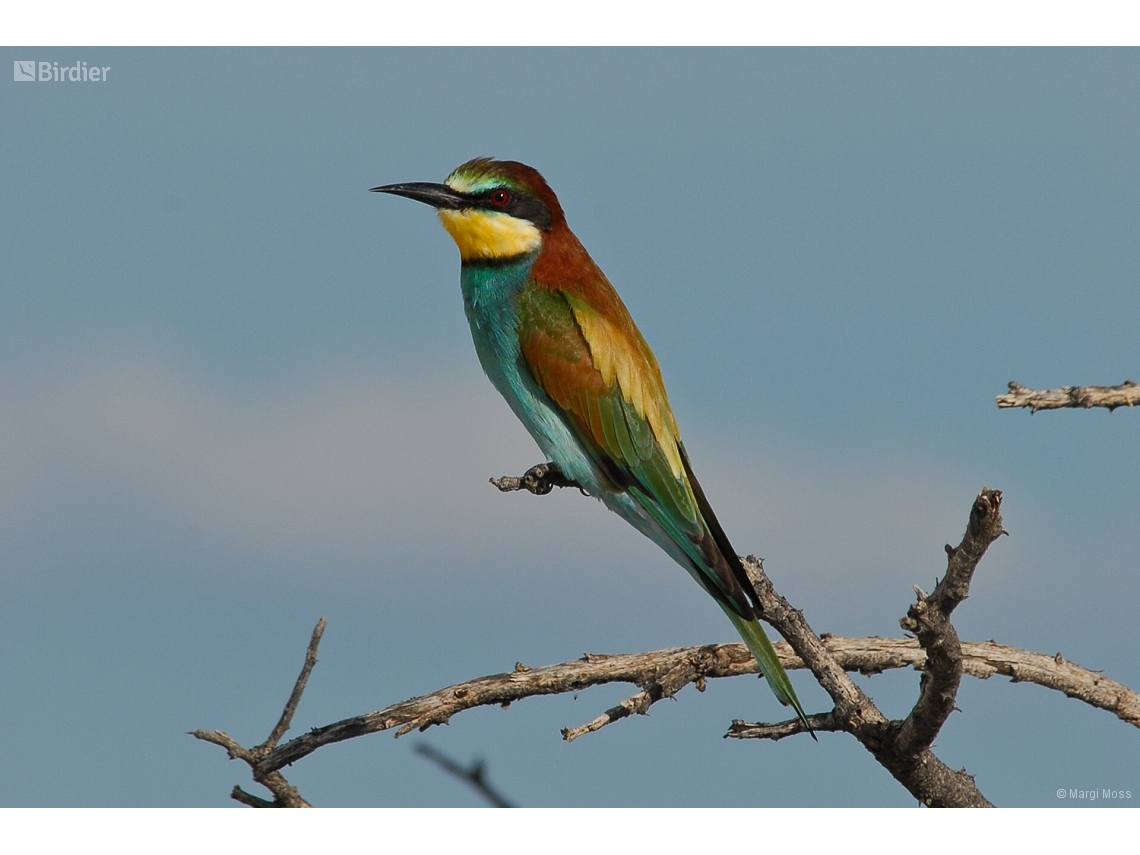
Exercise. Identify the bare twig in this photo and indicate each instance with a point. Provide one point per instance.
(475, 776)
(286, 719)
(827, 722)
(249, 799)
(688, 670)
(929, 620)
(1127, 394)
(284, 793)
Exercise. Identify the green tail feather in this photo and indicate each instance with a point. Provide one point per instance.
(770, 667)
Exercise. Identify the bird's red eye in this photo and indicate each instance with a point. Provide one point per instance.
(500, 198)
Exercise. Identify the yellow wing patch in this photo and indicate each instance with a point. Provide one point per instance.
(636, 378)
(490, 234)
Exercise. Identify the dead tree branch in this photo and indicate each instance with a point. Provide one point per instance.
(474, 776)
(903, 747)
(825, 723)
(926, 777)
(645, 670)
(1127, 394)
(929, 620)
(860, 655)
(284, 793)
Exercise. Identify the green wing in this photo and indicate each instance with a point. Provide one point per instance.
(603, 377)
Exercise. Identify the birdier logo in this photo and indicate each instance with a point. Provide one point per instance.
(28, 70)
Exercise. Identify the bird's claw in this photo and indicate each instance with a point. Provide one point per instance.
(539, 480)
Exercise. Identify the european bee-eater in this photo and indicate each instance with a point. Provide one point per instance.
(558, 343)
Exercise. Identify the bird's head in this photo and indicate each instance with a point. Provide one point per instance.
(493, 209)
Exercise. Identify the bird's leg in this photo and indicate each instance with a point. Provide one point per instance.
(544, 477)
(540, 480)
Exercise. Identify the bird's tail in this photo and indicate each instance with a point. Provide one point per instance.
(770, 667)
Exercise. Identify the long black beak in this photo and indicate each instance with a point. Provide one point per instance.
(436, 195)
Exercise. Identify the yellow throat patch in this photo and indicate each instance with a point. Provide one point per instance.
(489, 234)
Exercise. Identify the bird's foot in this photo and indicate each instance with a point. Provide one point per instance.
(540, 480)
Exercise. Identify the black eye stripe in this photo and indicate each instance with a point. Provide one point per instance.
(516, 204)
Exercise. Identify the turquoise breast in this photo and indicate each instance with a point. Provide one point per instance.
(490, 300)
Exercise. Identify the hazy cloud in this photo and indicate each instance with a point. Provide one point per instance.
(351, 468)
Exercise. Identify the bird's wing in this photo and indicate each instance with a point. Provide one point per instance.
(603, 376)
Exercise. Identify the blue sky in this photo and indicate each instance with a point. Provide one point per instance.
(237, 392)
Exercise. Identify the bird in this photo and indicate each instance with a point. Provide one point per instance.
(559, 345)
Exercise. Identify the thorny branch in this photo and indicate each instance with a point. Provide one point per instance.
(1127, 394)
(901, 747)
(929, 620)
